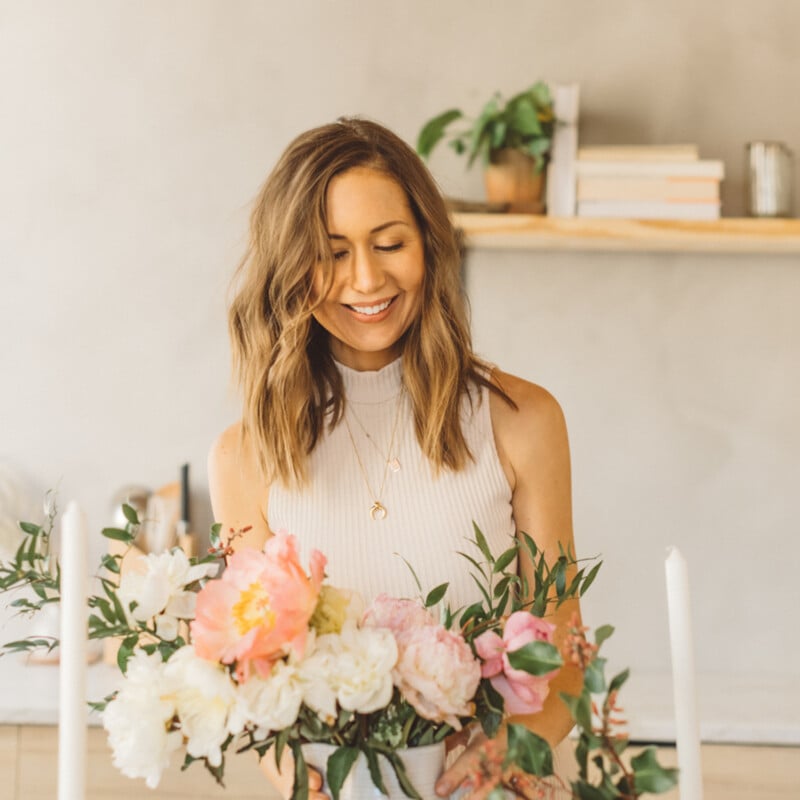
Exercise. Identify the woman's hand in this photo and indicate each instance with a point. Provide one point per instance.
(283, 779)
(479, 769)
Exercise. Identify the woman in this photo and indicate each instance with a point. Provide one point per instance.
(370, 429)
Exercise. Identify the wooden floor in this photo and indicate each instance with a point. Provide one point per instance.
(28, 772)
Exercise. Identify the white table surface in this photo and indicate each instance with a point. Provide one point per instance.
(735, 709)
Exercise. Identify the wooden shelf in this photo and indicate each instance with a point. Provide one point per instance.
(529, 232)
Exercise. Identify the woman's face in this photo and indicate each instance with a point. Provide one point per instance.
(378, 269)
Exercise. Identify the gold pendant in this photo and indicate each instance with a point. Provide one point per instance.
(377, 511)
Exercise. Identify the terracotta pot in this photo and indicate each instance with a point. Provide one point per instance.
(511, 178)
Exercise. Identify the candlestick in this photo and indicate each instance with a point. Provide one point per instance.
(687, 730)
(72, 669)
(185, 494)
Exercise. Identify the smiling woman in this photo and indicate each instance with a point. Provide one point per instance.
(375, 289)
(370, 429)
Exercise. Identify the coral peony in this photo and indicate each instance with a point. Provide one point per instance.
(523, 693)
(260, 609)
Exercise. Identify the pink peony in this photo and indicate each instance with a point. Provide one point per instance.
(402, 617)
(437, 674)
(523, 693)
(259, 609)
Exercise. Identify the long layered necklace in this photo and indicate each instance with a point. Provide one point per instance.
(377, 510)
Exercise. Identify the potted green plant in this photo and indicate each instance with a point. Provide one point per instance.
(512, 138)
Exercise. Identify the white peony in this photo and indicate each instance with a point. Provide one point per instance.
(353, 667)
(204, 697)
(137, 721)
(272, 703)
(160, 592)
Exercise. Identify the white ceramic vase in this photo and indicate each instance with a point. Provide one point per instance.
(423, 766)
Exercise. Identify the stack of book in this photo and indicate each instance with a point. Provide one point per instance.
(648, 182)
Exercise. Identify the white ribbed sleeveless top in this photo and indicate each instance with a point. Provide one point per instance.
(429, 517)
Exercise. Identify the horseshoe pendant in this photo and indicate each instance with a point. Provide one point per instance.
(377, 511)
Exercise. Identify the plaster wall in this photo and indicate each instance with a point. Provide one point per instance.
(133, 136)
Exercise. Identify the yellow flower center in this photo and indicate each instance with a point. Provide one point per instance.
(253, 609)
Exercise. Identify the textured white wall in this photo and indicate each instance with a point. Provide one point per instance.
(133, 136)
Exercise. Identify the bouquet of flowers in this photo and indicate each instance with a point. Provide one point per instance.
(270, 656)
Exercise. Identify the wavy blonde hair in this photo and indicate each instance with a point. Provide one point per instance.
(281, 359)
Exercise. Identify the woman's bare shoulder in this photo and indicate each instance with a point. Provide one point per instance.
(533, 432)
(238, 491)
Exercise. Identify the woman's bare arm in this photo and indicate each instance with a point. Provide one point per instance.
(238, 492)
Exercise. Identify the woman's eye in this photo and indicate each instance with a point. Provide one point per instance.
(389, 248)
(339, 255)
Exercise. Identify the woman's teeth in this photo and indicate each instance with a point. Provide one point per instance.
(372, 309)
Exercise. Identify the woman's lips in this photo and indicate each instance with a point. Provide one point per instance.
(371, 312)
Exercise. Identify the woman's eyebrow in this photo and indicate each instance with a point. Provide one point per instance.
(377, 229)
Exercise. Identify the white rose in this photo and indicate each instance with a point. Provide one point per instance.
(160, 592)
(138, 718)
(204, 696)
(353, 667)
(272, 703)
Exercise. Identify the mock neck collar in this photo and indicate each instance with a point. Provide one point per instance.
(372, 386)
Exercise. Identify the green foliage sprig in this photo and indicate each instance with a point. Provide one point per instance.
(524, 123)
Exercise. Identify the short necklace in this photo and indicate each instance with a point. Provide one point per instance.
(392, 461)
(377, 510)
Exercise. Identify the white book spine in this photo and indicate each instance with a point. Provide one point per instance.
(655, 169)
(561, 176)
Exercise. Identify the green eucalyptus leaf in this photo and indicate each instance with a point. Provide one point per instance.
(589, 580)
(602, 633)
(482, 590)
(504, 559)
(480, 540)
(594, 676)
(502, 586)
(30, 528)
(474, 563)
(111, 563)
(649, 775)
(536, 658)
(618, 680)
(125, 652)
(118, 534)
(339, 766)
(130, 514)
(435, 595)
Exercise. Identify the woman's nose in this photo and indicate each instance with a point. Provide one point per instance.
(367, 276)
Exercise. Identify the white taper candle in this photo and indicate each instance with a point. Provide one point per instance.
(687, 729)
(73, 644)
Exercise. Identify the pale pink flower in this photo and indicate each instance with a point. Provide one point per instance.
(260, 608)
(402, 617)
(437, 673)
(523, 693)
